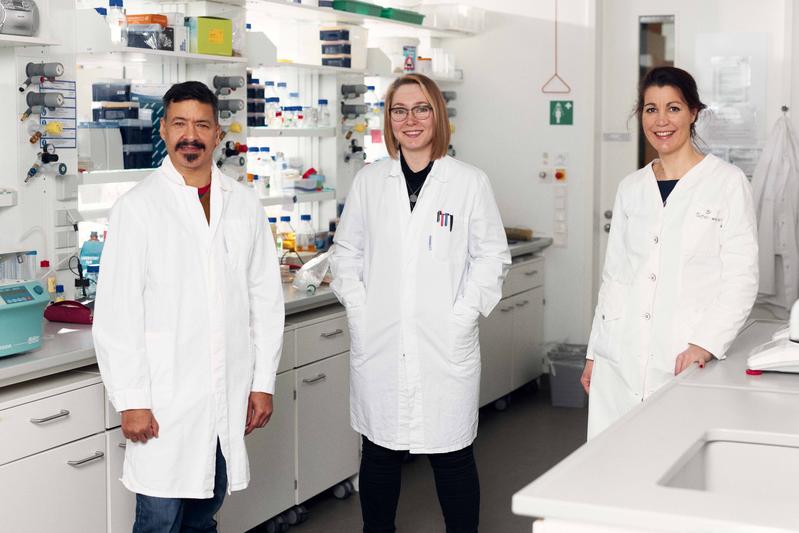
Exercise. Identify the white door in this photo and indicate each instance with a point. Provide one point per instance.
(327, 447)
(496, 348)
(121, 502)
(528, 336)
(693, 22)
(271, 452)
(62, 490)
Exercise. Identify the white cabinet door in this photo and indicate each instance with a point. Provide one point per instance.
(496, 349)
(528, 335)
(271, 452)
(62, 490)
(121, 502)
(327, 448)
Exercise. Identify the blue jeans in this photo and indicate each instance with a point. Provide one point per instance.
(182, 515)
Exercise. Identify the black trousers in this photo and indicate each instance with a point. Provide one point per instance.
(457, 485)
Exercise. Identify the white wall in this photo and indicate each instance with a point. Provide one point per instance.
(503, 128)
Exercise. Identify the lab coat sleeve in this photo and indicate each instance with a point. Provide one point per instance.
(615, 265)
(489, 257)
(118, 328)
(267, 312)
(726, 315)
(346, 262)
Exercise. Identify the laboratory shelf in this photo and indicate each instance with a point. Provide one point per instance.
(291, 132)
(319, 69)
(18, 40)
(376, 25)
(141, 55)
(438, 79)
(299, 198)
(100, 177)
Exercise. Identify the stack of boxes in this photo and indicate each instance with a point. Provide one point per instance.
(113, 107)
(343, 46)
(256, 112)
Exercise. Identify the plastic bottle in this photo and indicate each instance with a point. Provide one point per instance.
(370, 97)
(91, 251)
(47, 275)
(294, 99)
(118, 22)
(273, 227)
(256, 184)
(324, 114)
(288, 117)
(299, 116)
(59, 293)
(306, 235)
(286, 233)
(283, 91)
(269, 90)
(92, 274)
(252, 159)
(265, 168)
(274, 113)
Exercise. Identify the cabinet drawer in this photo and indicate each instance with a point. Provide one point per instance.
(321, 340)
(523, 277)
(51, 421)
(61, 490)
(112, 418)
(288, 357)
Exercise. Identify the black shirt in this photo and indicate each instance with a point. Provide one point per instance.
(414, 180)
(666, 186)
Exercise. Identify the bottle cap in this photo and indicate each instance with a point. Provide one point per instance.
(248, 26)
(93, 269)
(285, 218)
(323, 101)
(305, 217)
(252, 148)
(269, 83)
(370, 87)
(44, 263)
(272, 220)
(101, 10)
(263, 149)
(59, 288)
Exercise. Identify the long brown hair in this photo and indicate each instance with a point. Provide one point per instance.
(441, 134)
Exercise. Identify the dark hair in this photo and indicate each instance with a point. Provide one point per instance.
(672, 77)
(191, 90)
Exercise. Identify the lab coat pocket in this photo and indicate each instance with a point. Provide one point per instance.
(236, 246)
(608, 342)
(438, 243)
(355, 319)
(160, 348)
(464, 337)
(701, 232)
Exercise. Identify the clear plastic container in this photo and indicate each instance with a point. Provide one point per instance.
(370, 97)
(286, 233)
(289, 121)
(264, 167)
(306, 235)
(274, 113)
(325, 120)
(311, 119)
(118, 22)
(252, 159)
(92, 274)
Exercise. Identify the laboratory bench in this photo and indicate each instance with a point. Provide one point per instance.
(68, 448)
(714, 450)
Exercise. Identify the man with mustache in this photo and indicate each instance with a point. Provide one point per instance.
(188, 323)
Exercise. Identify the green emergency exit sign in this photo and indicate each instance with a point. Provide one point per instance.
(561, 112)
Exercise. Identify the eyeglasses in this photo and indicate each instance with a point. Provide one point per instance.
(420, 112)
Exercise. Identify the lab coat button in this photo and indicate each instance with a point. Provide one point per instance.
(647, 316)
(652, 277)
(655, 240)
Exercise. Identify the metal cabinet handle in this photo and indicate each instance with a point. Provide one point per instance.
(317, 379)
(61, 414)
(332, 333)
(123, 444)
(97, 455)
(522, 304)
(531, 273)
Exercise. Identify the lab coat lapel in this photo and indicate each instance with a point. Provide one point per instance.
(190, 210)
(423, 213)
(219, 191)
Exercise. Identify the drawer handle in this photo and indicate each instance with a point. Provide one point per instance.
(61, 414)
(332, 333)
(97, 455)
(317, 379)
(531, 273)
(123, 444)
(522, 304)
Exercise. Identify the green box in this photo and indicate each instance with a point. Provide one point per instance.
(411, 17)
(355, 6)
(210, 35)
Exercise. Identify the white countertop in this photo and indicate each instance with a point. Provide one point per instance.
(614, 480)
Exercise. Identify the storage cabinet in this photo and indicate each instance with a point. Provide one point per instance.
(120, 501)
(327, 447)
(511, 338)
(62, 489)
(271, 452)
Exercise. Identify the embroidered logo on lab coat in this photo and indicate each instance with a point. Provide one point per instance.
(706, 214)
(445, 219)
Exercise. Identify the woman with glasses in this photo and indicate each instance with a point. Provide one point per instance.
(421, 252)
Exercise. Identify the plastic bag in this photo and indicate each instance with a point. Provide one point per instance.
(310, 276)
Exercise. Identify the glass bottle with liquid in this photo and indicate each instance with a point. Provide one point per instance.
(306, 235)
(92, 274)
(325, 120)
(286, 233)
(118, 22)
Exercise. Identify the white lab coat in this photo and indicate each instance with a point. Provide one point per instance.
(413, 284)
(674, 275)
(188, 320)
(776, 193)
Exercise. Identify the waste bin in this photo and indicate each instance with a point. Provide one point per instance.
(566, 366)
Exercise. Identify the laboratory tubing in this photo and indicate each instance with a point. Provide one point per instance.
(118, 22)
(286, 233)
(306, 235)
(325, 120)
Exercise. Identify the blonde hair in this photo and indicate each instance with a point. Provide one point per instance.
(432, 93)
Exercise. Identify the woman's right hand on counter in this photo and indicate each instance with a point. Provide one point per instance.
(585, 379)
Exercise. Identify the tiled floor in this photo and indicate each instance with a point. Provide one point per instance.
(513, 447)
